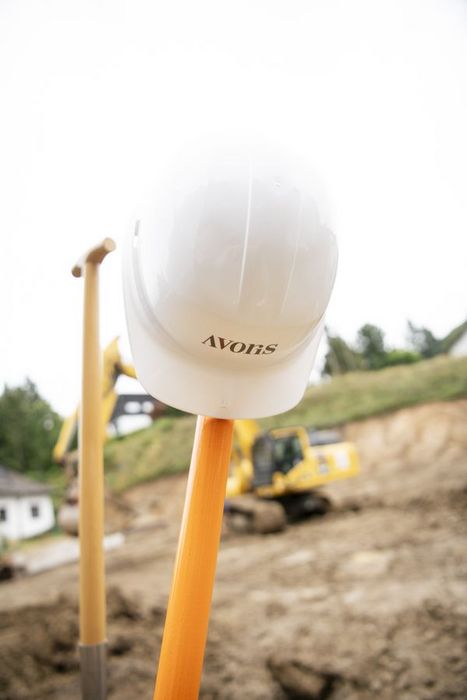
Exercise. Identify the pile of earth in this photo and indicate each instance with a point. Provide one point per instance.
(40, 654)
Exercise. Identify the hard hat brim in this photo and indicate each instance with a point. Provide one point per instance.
(182, 381)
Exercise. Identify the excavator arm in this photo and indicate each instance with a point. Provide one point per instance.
(65, 438)
(113, 367)
(241, 472)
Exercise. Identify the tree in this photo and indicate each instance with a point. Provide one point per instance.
(423, 341)
(401, 357)
(340, 358)
(28, 429)
(368, 353)
(453, 337)
(370, 342)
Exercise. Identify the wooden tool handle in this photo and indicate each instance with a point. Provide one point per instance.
(94, 256)
(186, 623)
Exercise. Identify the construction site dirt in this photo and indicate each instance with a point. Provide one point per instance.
(369, 601)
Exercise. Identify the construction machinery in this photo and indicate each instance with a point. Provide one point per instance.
(275, 474)
(113, 406)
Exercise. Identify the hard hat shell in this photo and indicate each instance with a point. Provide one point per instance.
(226, 281)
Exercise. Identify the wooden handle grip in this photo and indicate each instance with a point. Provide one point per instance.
(94, 256)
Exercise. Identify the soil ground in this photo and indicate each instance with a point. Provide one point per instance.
(369, 601)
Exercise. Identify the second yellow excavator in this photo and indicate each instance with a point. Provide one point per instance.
(113, 407)
(275, 474)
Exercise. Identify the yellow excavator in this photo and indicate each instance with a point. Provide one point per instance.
(113, 407)
(275, 474)
(113, 367)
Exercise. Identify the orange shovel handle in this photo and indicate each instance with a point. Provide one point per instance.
(186, 625)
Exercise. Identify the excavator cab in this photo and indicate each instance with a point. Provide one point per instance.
(271, 455)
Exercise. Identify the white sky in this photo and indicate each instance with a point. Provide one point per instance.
(93, 95)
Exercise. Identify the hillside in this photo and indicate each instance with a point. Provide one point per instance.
(165, 447)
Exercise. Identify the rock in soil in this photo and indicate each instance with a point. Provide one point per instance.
(300, 681)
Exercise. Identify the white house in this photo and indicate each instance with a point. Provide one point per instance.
(26, 508)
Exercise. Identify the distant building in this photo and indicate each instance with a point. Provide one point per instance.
(26, 508)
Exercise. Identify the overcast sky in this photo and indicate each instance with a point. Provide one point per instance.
(94, 95)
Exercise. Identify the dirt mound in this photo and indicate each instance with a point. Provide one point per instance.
(40, 654)
(420, 654)
(422, 434)
(40, 657)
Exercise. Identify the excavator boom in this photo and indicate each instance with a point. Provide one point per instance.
(113, 367)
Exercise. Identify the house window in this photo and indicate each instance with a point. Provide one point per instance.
(3, 515)
(35, 511)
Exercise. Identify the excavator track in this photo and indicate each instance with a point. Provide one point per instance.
(248, 514)
(299, 506)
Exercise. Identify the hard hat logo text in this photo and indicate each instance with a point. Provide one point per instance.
(238, 347)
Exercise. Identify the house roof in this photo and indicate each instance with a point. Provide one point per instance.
(14, 484)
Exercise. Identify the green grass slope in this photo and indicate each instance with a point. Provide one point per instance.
(165, 447)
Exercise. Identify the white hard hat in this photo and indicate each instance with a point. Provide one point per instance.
(226, 281)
